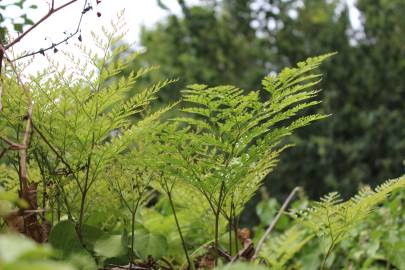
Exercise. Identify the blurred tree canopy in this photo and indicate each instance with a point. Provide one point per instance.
(17, 22)
(239, 41)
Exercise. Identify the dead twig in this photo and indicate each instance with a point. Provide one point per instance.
(51, 11)
(274, 221)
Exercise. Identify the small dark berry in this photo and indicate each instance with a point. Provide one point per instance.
(98, 14)
(55, 50)
(98, 1)
(87, 9)
(80, 38)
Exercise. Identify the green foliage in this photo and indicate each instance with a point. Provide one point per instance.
(201, 47)
(18, 23)
(278, 251)
(334, 219)
(119, 185)
(228, 141)
(149, 244)
(92, 137)
(235, 141)
(20, 253)
(336, 234)
(241, 266)
(238, 42)
(84, 109)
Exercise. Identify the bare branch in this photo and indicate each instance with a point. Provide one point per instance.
(269, 229)
(35, 25)
(53, 149)
(54, 45)
(274, 222)
(13, 145)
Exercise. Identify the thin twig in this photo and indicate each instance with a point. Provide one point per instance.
(274, 221)
(35, 25)
(13, 145)
(54, 45)
(217, 216)
(183, 242)
(55, 151)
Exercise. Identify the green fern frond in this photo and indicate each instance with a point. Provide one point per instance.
(331, 218)
(279, 250)
(234, 135)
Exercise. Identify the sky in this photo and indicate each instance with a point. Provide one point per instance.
(137, 13)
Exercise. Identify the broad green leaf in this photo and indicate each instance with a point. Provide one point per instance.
(148, 244)
(43, 265)
(13, 247)
(83, 261)
(241, 266)
(110, 247)
(64, 237)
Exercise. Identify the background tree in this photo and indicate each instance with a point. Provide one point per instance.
(363, 90)
(17, 22)
(203, 47)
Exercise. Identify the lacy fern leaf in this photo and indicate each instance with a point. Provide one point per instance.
(232, 139)
(332, 219)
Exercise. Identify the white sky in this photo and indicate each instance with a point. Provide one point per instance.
(137, 13)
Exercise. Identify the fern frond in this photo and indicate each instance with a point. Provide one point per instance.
(331, 218)
(279, 250)
(232, 132)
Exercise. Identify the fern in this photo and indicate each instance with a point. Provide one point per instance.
(83, 118)
(228, 141)
(279, 250)
(332, 219)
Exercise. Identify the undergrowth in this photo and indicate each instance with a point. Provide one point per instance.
(92, 168)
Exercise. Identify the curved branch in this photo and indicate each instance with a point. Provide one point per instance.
(274, 222)
(35, 25)
(54, 45)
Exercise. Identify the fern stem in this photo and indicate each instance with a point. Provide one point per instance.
(58, 210)
(332, 245)
(83, 201)
(169, 195)
(216, 236)
(133, 212)
(232, 228)
(235, 228)
(132, 238)
(217, 214)
(43, 178)
(81, 216)
(230, 232)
